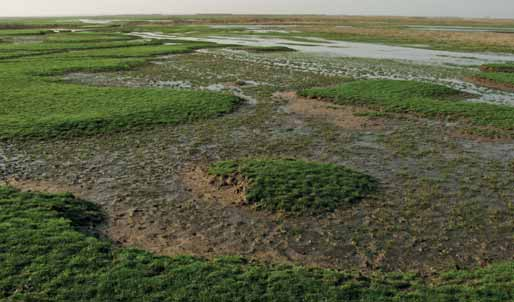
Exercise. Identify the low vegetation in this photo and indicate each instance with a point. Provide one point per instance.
(46, 254)
(423, 99)
(418, 232)
(296, 186)
(34, 105)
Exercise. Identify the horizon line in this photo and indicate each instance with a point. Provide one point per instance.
(257, 14)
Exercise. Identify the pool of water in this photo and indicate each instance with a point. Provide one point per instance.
(353, 49)
(95, 21)
(365, 61)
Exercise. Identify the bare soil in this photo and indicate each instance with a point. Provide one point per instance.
(341, 116)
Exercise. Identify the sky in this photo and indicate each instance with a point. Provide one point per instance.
(458, 8)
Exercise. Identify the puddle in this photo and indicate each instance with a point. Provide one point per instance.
(354, 49)
(65, 30)
(96, 21)
(258, 29)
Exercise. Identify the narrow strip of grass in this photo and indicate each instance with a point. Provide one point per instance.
(45, 255)
(424, 99)
(296, 186)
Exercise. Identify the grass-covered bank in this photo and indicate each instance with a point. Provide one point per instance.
(295, 186)
(423, 99)
(496, 76)
(45, 257)
(34, 105)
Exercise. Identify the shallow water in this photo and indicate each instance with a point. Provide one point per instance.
(95, 21)
(355, 49)
(324, 57)
(370, 69)
(261, 29)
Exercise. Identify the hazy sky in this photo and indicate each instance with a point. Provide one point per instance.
(464, 8)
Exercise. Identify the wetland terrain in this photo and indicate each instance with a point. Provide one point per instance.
(256, 158)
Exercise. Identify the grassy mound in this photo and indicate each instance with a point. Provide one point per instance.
(381, 90)
(32, 105)
(424, 99)
(296, 186)
(45, 257)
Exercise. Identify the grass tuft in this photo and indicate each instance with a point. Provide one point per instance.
(297, 186)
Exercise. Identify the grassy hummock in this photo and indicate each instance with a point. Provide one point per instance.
(296, 186)
(45, 255)
(423, 99)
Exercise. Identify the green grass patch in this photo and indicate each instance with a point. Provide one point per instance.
(423, 99)
(296, 186)
(87, 37)
(22, 32)
(32, 105)
(46, 255)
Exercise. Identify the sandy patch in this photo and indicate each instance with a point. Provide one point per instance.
(228, 190)
(341, 116)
